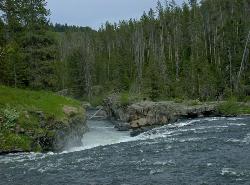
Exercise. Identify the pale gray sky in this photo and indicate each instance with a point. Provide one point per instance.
(95, 12)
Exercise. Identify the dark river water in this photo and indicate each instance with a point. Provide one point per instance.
(202, 151)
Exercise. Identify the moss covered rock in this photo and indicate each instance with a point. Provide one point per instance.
(38, 121)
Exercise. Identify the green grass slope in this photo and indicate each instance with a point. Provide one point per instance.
(234, 108)
(27, 117)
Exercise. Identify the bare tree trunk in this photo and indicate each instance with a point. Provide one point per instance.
(63, 55)
(87, 69)
(244, 57)
(230, 65)
(109, 53)
(15, 76)
(139, 47)
(162, 55)
(215, 41)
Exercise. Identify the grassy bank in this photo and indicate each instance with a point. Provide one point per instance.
(29, 117)
(232, 107)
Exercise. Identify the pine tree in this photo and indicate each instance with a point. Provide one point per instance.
(27, 35)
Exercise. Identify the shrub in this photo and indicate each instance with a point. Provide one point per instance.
(193, 102)
(232, 107)
(229, 108)
(96, 101)
(124, 99)
(10, 117)
(247, 99)
(178, 100)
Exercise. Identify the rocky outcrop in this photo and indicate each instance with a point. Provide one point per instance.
(70, 111)
(145, 115)
(48, 134)
(39, 121)
(63, 134)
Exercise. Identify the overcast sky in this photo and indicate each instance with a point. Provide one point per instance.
(95, 12)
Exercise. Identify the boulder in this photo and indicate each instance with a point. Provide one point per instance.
(139, 123)
(86, 105)
(70, 111)
(134, 125)
(122, 126)
(150, 114)
(64, 92)
(101, 114)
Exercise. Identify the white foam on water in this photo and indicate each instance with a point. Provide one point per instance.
(100, 134)
(212, 126)
(223, 118)
(246, 139)
(49, 166)
(154, 135)
(228, 171)
(156, 171)
(233, 172)
(23, 157)
(182, 124)
(236, 124)
(105, 142)
(191, 139)
(164, 163)
(167, 130)
(209, 164)
(214, 119)
(84, 159)
(235, 119)
(103, 134)
(232, 140)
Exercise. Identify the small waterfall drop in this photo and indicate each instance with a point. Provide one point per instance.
(101, 133)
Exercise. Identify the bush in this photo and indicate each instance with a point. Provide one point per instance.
(96, 101)
(232, 107)
(10, 117)
(247, 99)
(229, 108)
(193, 102)
(178, 100)
(124, 99)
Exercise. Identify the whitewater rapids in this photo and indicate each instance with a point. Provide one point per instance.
(199, 151)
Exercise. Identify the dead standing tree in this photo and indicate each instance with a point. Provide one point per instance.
(86, 64)
(139, 48)
(244, 60)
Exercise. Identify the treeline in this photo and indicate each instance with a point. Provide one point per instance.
(194, 51)
(68, 28)
(28, 49)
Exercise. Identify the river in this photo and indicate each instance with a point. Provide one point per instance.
(199, 151)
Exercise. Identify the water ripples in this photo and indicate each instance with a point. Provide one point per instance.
(199, 151)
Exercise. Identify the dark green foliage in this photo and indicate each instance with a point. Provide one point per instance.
(234, 108)
(40, 53)
(124, 99)
(66, 28)
(197, 51)
(190, 52)
(29, 50)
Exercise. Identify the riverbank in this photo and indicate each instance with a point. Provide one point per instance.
(38, 121)
(142, 116)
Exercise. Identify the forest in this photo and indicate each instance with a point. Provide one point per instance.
(199, 50)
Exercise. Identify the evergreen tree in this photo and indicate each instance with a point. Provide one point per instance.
(199, 50)
(30, 46)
